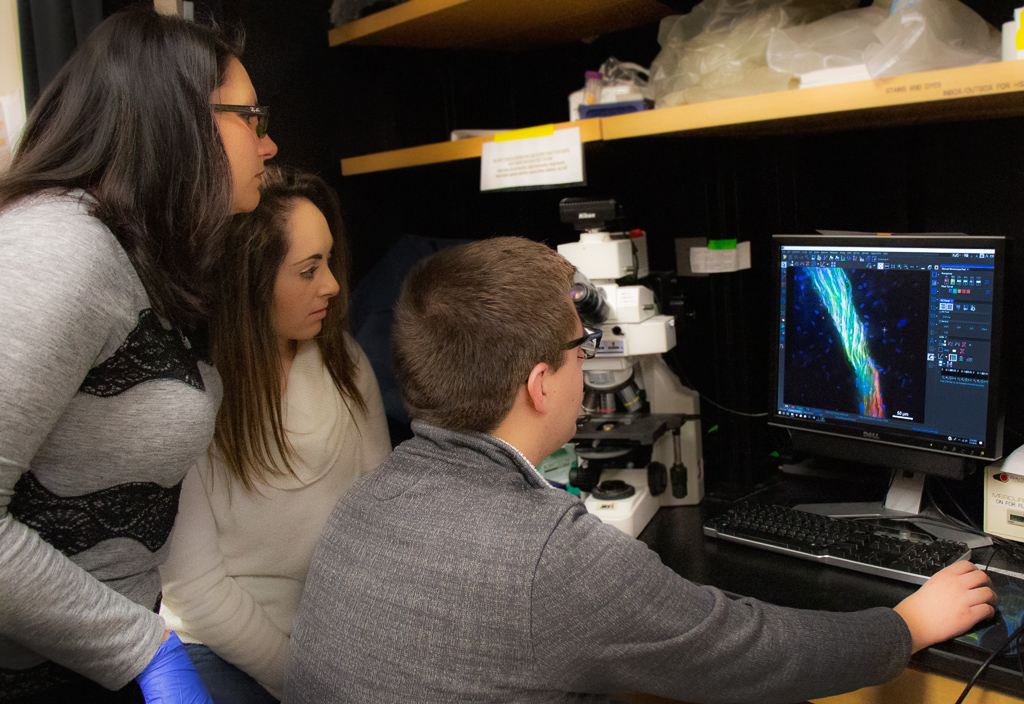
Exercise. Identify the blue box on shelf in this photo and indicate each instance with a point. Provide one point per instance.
(610, 109)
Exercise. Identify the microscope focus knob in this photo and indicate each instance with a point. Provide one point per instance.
(584, 478)
(679, 480)
(657, 478)
(612, 489)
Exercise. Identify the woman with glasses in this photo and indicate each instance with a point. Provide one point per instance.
(111, 215)
(302, 418)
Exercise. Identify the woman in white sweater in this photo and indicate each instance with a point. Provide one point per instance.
(302, 418)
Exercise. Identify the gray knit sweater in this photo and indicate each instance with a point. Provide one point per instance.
(456, 574)
(102, 411)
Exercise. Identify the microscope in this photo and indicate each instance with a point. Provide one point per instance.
(637, 439)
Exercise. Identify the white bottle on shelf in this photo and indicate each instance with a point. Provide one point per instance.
(1011, 31)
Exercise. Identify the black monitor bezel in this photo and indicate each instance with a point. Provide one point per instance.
(891, 446)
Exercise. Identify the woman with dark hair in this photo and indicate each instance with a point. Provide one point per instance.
(111, 215)
(302, 418)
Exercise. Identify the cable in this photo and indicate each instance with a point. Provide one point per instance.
(673, 360)
(952, 498)
(947, 521)
(1015, 550)
(984, 666)
(988, 563)
(725, 408)
(1020, 658)
(678, 369)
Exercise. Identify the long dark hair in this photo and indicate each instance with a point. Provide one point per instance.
(128, 120)
(242, 336)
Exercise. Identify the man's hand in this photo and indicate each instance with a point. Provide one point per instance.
(948, 604)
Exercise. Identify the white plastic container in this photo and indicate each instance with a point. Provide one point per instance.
(1010, 31)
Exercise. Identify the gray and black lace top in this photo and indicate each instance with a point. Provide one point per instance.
(103, 408)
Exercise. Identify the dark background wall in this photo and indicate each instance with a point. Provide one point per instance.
(330, 103)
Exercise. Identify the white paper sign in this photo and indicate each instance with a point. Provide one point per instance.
(536, 161)
(716, 261)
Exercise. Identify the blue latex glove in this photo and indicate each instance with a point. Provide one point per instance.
(171, 678)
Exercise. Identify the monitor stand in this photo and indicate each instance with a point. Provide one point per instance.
(903, 501)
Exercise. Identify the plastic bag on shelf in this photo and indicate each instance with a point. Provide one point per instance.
(718, 49)
(832, 42)
(886, 39)
(925, 35)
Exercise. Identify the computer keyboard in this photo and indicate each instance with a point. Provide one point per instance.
(853, 545)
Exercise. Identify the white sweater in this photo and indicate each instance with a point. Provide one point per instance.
(238, 559)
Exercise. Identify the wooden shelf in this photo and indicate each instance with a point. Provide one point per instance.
(590, 131)
(966, 93)
(495, 24)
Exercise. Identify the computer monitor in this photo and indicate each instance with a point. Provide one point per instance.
(886, 354)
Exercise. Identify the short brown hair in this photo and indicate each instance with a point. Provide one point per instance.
(470, 324)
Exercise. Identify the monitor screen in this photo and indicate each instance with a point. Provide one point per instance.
(886, 347)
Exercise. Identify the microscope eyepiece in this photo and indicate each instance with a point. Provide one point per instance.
(590, 303)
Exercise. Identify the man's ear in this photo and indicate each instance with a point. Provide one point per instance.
(535, 386)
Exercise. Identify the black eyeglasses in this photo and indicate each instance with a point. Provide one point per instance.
(588, 343)
(260, 112)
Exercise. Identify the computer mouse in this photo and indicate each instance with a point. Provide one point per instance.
(993, 620)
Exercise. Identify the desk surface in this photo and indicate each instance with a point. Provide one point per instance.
(676, 534)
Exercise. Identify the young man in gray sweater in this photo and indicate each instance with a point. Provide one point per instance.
(457, 573)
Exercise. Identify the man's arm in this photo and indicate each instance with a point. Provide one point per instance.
(608, 616)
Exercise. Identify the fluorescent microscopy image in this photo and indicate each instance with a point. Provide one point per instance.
(833, 288)
(856, 341)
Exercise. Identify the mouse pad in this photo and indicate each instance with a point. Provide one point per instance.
(991, 633)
